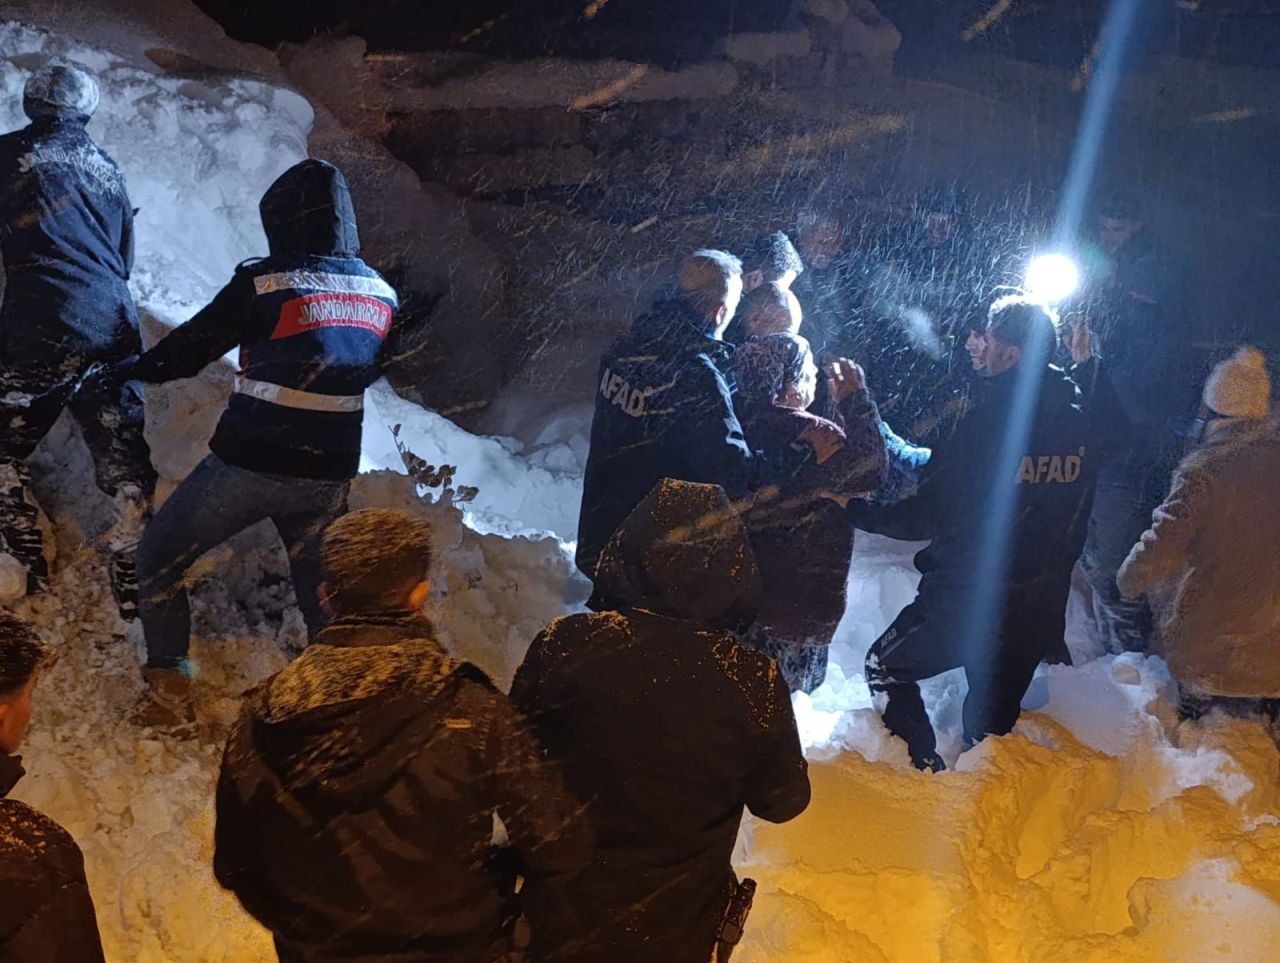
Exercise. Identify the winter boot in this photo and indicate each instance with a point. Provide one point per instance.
(167, 702)
(124, 582)
(131, 516)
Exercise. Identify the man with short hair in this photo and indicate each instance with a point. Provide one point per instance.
(66, 238)
(1005, 503)
(771, 259)
(46, 912)
(663, 406)
(358, 789)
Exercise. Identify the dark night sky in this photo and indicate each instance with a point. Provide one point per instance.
(671, 31)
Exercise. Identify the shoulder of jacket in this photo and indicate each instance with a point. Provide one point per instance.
(27, 832)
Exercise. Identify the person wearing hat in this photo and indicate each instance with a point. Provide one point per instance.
(1208, 564)
(66, 238)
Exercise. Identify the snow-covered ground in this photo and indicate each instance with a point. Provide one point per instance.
(1098, 831)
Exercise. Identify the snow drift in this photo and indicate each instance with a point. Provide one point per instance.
(1098, 831)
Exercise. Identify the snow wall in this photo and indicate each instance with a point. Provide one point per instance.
(1098, 831)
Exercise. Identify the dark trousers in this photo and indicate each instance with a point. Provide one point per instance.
(110, 415)
(1130, 487)
(215, 502)
(924, 641)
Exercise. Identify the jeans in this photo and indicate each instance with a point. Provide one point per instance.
(1130, 487)
(215, 502)
(110, 415)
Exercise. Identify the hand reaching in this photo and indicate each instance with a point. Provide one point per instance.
(1079, 340)
(845, 379)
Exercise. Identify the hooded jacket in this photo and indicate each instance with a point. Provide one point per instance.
(1210, 567)
(666, 726)
(802, 538)
(66, 238)
(310, 319)
(663, 410)
(356, 801)
(46, 913)
(1024, 453)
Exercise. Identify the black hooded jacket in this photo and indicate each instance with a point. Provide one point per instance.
(663, 410)
(311, 318)
(356, 801)
(66, 236)
(46, 913)
(667, 726)
(1026, 452)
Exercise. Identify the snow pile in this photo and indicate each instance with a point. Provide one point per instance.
(1097, 831)
(516, 492)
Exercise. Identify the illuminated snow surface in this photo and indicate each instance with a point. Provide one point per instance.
(1098, 831)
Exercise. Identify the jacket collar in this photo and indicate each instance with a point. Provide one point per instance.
(10, 772)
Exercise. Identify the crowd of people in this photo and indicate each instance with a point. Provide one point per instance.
(737, 445)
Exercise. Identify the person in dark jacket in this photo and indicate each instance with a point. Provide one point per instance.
(1142, 331)
(66, 238)
(1005, 503)
(667, 725)
(46, 912)
(310, 320)
(801, 535)
(663, 406)
(356, 802)
(771, 263)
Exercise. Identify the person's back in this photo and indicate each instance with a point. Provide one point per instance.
(1209, 564)
(310, 320)
(668, 726)
(663, 407)
(66, 234)
(358, 790)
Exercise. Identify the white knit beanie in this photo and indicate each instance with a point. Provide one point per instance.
(1239, 387)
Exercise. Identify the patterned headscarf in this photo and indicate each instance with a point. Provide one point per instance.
(768, 366)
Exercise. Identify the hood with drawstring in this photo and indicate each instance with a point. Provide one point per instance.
(683, 552)
(355, 804)
(667, 726)
(308, 210)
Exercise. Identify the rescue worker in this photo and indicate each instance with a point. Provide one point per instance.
(1005, 504)
(356, 800)
(310, 320)
(66, 316)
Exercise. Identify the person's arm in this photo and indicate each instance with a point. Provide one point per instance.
(127, 243)
(778, 787)
(859, 465)
(544, 823)
(709, 432)
(1162, 552)
(214, 331)
(924, 514)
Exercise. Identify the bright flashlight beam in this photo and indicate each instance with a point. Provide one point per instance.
(1051, 278)
(1093, 122)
